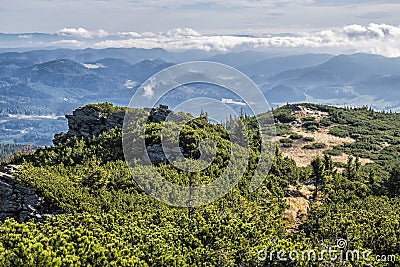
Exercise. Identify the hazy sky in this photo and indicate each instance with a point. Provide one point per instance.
(370, 26)
(207, 17)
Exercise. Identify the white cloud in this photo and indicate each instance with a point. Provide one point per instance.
(25, 36)
(372, 31)
(82, 33)
(206, 16)
(220, 3)
(68, 43)
(93, 66)
(231, 101)
(226, 78)
(149, 34)
(185, 32)
(129, 34)
(148, 89)
(129, 84)
(374, 38)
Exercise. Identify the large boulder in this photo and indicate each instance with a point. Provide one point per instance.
(92, 120)
(20, 202)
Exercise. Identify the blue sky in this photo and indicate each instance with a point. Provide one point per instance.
(205, 16)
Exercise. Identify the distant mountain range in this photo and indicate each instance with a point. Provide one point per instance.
(54, 82)
(357, 79)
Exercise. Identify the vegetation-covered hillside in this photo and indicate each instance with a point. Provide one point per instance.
(361, 132)
(8, 150)
(109, 221)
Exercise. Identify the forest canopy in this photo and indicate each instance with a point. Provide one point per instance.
(108, 220)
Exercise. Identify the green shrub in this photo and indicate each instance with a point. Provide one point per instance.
(110, 221)
(315, 146)
(339, 132)
(106, 107)
(308, 119)
(284, 115)
(309, 139)
(334, 152)
(286, 142)
(282, 129)
(311, 127)
(295, 136)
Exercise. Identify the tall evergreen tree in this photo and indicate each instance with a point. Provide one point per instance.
(393, 183)
(318, 174)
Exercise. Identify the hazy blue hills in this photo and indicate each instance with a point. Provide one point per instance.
(239, 59)
(346, 79)
(342, 69)
(54, 82)
(34, 99)
(284, 93)
(262, 70)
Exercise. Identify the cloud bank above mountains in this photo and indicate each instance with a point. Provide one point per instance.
(374, 38)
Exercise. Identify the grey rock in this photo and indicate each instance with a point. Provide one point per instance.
(9, 168)
(24, 190)
(7, 177)
(20, 202)
(9, 206)
(87, 121)
(5, 190)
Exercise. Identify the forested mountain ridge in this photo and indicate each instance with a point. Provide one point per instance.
(39, 87)
(110, 221)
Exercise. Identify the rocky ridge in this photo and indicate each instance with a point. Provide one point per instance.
(90, 121)
(93, 120)
(20, 202)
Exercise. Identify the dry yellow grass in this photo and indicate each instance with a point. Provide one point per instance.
(344, 157)
(299, 200)
(291, 216)
(298, 205)
(306, 112)
(307, 191)
(303, 157)
(297, 210)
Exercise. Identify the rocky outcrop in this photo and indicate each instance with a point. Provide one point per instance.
(91, 121)
(159, 114)
(20, 202)
(158, 154)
